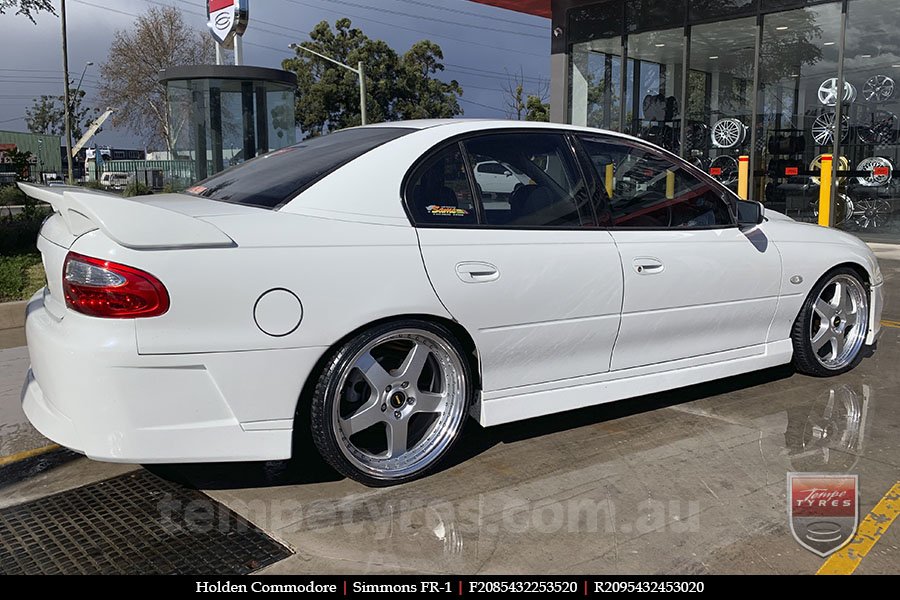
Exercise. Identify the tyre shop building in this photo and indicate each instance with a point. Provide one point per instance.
(715, 79)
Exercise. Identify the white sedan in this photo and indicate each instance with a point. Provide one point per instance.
(355, 288)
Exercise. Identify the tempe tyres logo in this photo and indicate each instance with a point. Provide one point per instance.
(823, 510)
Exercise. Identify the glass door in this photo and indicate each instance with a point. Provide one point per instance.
(654, 87)
(720, 96)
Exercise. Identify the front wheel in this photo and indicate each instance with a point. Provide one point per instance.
(391, 402)
(831, 328)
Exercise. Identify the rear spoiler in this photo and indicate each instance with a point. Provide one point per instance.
(128, 222)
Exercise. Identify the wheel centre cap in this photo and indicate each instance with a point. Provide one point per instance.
(398, 398)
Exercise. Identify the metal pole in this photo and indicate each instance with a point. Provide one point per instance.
(238, 50)
(362, 92)
(220, 59)
(66, 98)
(838, 130)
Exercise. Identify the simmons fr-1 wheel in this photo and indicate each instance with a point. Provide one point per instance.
(831, 328)
(391, 402)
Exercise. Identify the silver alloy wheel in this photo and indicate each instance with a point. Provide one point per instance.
(878, 88)
(828, 92)
(400, 404)
(870, 165)
(839, 322)
(728, 133)
(871, 213)
(823, 128)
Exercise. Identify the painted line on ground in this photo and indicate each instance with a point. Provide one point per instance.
(876, 523)
(894, 324)
(13, 458)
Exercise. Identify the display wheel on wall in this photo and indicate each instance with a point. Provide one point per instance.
(878, 88)
(724, 169)
(880, 128)
(696, 136)
(828, 92)
(880, 171)
(816, 165)
(824, 125)
(728, 133)
(871, 213)
(843, 209)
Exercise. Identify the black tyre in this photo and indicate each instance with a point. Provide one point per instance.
(391, 402)
(831, 329)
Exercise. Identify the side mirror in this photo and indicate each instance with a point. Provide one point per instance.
(507, 173)
(750, 214)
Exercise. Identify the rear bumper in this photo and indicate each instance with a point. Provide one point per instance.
(88, 389)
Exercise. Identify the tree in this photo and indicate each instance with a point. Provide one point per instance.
(129, 79)
(47, 115)
(27, 7)
(398, 87)
(530, 106)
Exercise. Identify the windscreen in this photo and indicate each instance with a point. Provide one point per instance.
(274, 178)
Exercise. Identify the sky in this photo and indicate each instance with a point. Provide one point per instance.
(481, 45)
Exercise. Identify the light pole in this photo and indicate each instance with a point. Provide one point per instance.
(360, 71)
(66, 98)
(71, 109)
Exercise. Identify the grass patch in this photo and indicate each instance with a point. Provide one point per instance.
(21, 275)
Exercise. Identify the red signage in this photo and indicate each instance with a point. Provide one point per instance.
(715, 171)
(881, 171)
(791, 171)
(822, 510)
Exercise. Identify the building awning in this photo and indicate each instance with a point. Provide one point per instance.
(539, 8)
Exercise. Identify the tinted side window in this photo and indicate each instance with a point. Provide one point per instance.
(439, 190)
(276, 177)
(650, 190)
(540, 186)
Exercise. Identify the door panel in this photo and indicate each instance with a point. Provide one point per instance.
(689, 293)
(550, 312)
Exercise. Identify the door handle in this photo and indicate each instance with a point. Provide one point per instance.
(647, 265)
(477, 272)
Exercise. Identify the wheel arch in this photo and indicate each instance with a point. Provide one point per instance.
(460, 332)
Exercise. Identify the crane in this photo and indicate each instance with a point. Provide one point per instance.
(91, 130)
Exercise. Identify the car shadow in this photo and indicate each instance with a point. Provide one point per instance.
(307, 467)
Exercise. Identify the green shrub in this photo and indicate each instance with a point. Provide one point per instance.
(136, 188)
(20, 276)
(93, 185)
(19, 233)
(11, 195)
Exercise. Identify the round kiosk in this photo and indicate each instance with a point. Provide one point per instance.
(220, 115)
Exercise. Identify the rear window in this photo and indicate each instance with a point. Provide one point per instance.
(274, 178)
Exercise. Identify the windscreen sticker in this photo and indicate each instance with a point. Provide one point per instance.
(197, 189)
(446, 211)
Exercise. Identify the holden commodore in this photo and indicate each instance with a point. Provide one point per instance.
(355, 287)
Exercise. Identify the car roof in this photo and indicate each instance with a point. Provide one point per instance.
(457, 126)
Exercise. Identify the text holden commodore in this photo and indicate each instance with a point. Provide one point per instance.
(386, 282)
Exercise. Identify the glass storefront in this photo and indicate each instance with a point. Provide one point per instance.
(780, 81)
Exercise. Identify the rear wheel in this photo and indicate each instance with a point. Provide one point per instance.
(831, 329)
(391, 402)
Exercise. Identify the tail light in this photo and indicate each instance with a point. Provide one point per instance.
(100, 288)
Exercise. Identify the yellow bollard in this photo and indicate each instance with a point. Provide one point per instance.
(670, 185)
(743, 176)
(825, 191)
(610, 183)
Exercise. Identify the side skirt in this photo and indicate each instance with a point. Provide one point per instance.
(515, 405)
